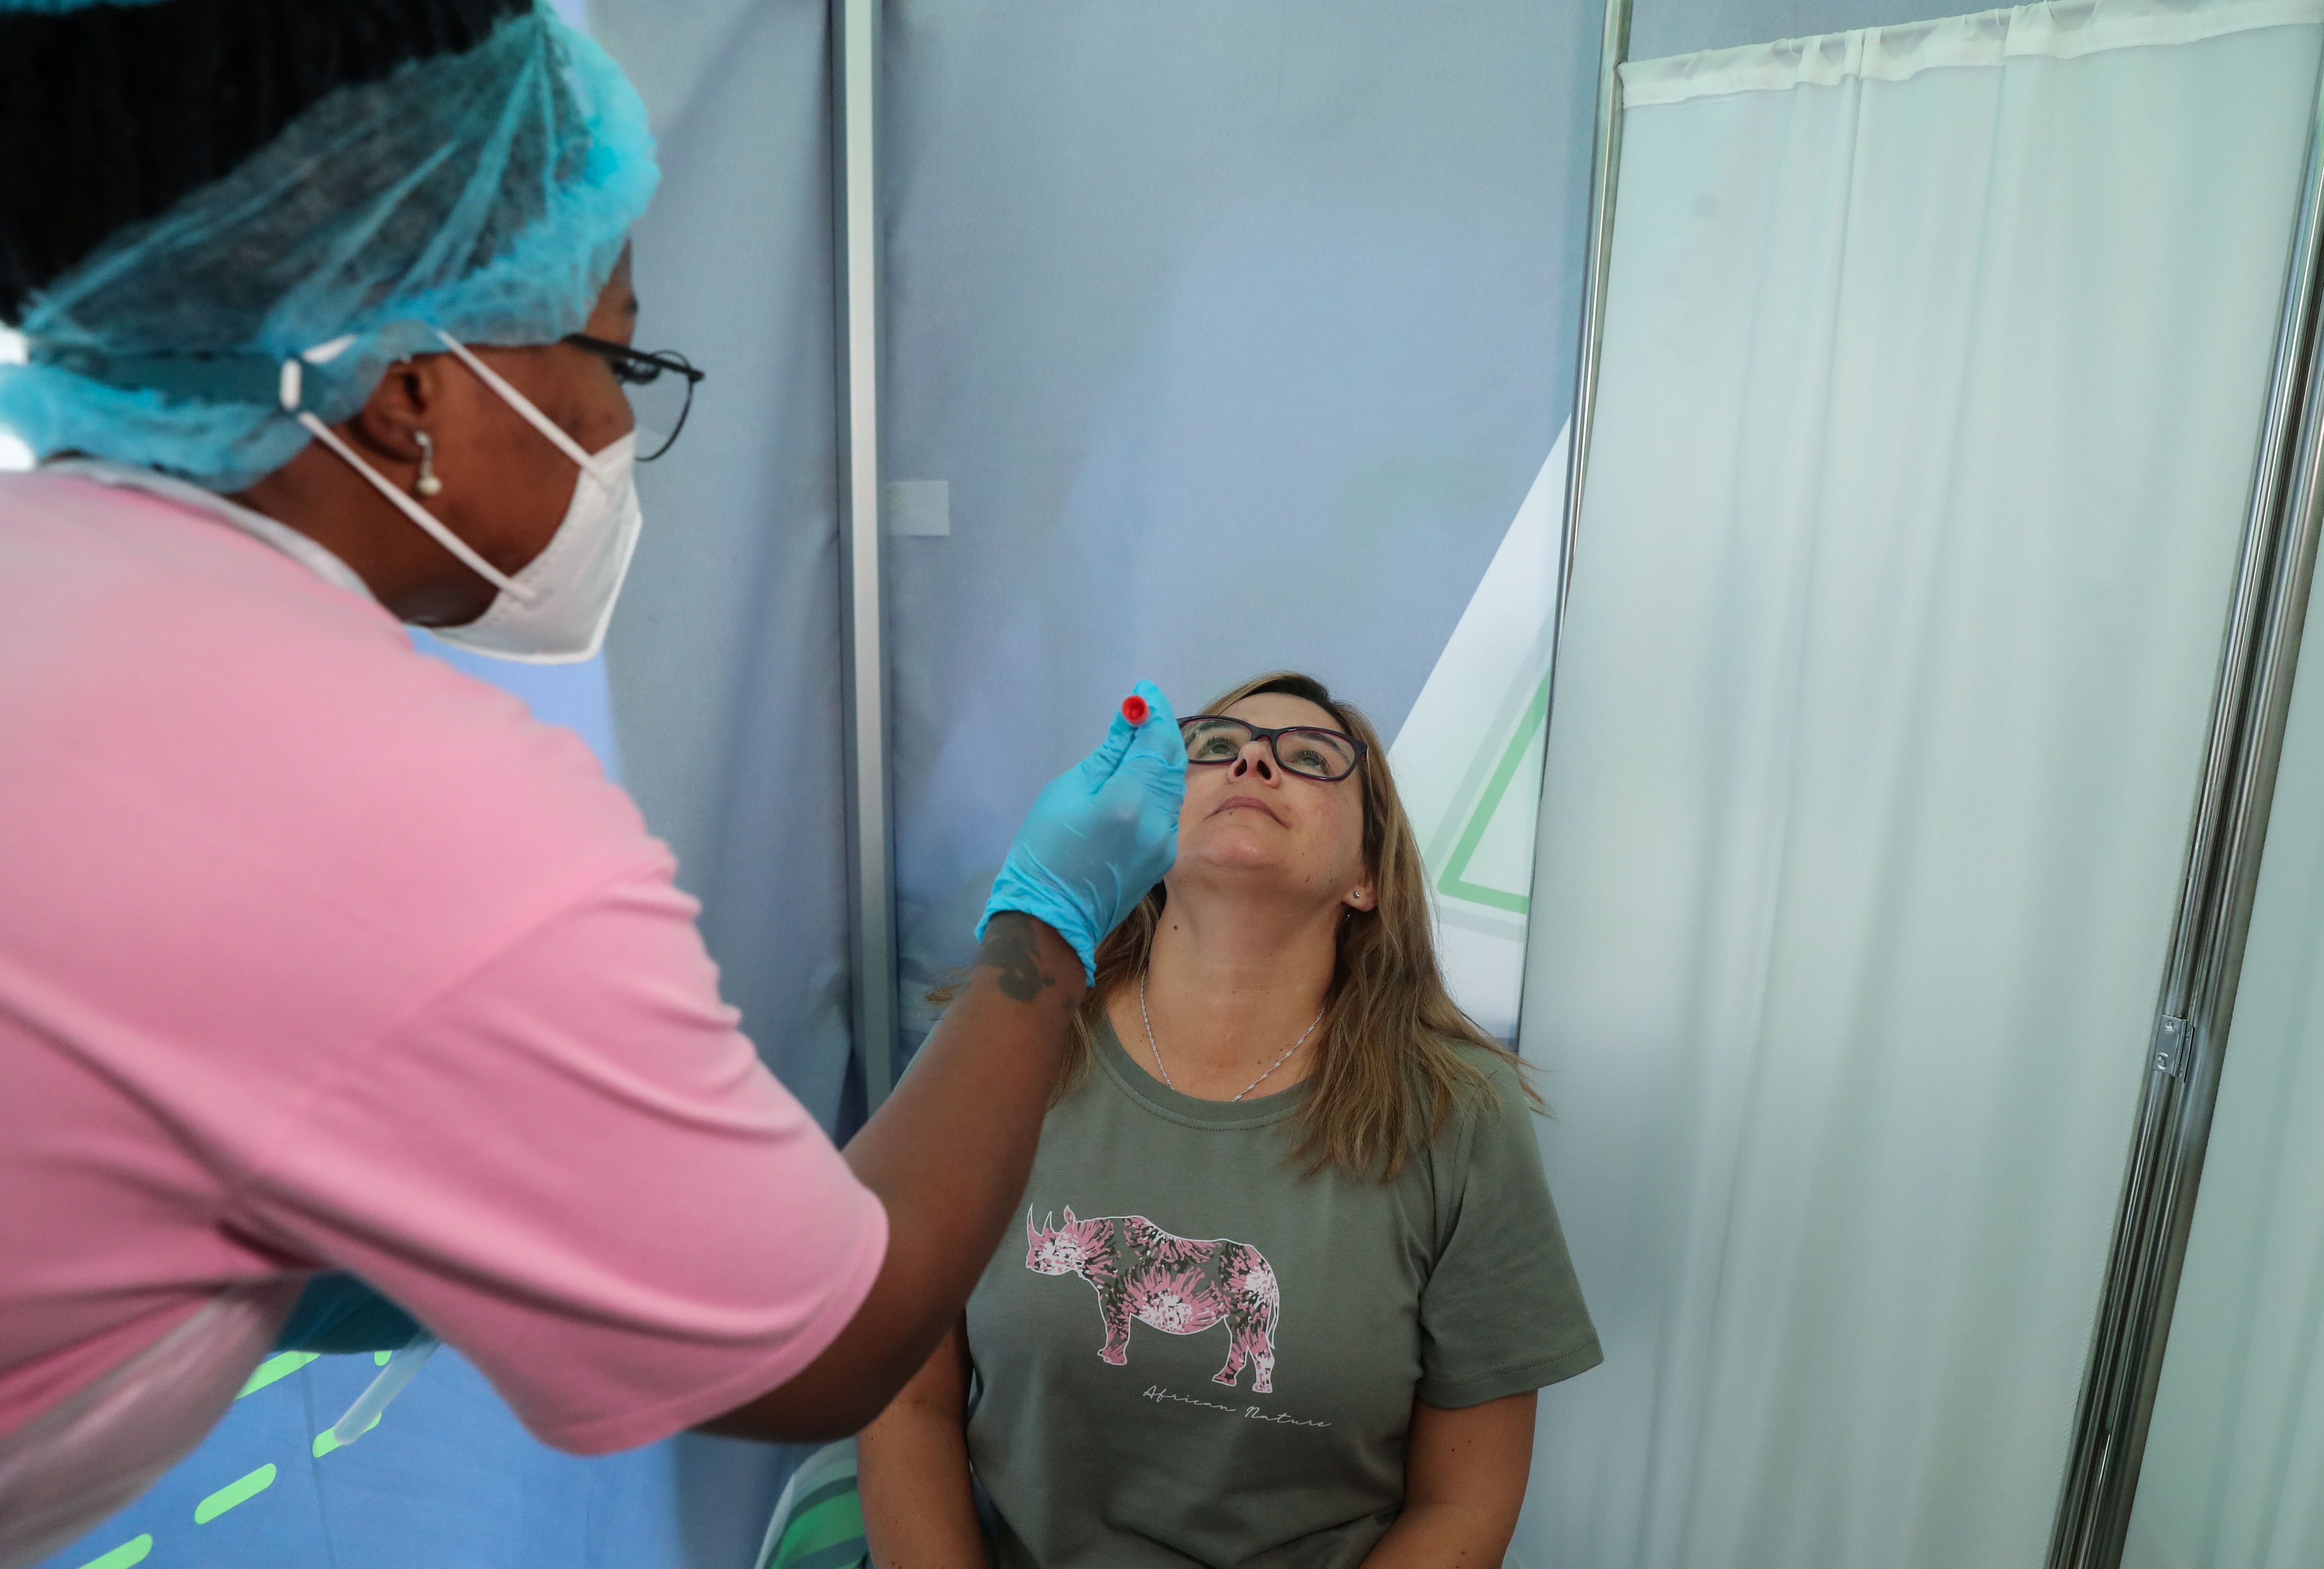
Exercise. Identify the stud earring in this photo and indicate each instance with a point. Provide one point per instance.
(427, 485)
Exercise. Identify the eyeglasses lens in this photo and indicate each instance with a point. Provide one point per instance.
(659, 399)
(1317, 753)
(1320, 754)
(1215, 740)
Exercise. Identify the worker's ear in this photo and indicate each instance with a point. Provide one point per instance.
(409, 399)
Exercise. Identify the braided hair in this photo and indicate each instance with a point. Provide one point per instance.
(110, 114)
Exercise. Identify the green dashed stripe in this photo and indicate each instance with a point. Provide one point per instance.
(239, 1491)
(279, 1366)
(243, 1488)
(328, 1438)
(120, 1557)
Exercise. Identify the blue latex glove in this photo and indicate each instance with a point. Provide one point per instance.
(1100, 833)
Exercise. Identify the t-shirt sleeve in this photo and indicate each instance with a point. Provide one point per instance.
(1501, 1312)
(572, 1167)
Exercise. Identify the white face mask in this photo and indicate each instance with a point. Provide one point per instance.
(555, 610)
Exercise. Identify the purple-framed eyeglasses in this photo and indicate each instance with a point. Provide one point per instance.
(1309, 750)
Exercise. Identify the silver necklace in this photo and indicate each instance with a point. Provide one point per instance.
(1247, 1089)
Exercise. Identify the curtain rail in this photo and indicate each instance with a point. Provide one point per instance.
(2260, 650)
(871, 928)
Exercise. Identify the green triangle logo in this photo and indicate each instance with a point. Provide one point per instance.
(1456, 883)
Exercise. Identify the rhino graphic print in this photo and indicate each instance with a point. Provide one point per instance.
(1175, 1284)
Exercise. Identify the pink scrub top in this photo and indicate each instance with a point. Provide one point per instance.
(316, 954)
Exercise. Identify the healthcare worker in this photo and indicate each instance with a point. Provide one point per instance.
(317, 955)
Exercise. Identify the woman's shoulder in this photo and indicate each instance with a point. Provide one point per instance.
(1495, 1060)
(1481, 1149)
(1496, 1064)
(1489, 1091)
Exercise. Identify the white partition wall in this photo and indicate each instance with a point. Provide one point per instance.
(1933, 366)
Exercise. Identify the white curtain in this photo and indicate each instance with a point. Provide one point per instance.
(2234, 1476)
(1933, 366)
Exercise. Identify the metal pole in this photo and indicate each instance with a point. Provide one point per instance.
(1605, 172)
(2249, 706)
(871, 930)
(1605, 169)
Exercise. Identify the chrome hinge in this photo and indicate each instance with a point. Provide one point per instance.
(2174, 1043)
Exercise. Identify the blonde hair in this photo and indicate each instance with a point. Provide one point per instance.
(1388, 1074)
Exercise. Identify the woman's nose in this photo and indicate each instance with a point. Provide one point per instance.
(1255, 760)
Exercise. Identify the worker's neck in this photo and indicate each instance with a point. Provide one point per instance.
(318, 494)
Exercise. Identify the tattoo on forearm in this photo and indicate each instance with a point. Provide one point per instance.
(1011, 947)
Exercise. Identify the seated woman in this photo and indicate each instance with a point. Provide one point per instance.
(1290, 1276)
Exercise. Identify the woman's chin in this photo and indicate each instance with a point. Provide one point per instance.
(1234, 843)
(1234, 870)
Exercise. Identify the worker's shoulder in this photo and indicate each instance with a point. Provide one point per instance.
(252, 704)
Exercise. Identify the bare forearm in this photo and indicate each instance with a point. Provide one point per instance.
(919, 1509)
(948, 1156)
(1443, 1537)
(950, 1151)
(1464, 1481)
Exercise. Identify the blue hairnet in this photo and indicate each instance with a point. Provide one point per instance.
(487, 193)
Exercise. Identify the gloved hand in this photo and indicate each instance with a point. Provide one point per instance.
(1100, 833)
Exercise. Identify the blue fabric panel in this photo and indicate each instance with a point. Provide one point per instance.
(447, 1478)
(724, 655)
(1239, 330)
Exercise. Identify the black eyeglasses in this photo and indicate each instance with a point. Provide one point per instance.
(1308, 751)
(660, 386)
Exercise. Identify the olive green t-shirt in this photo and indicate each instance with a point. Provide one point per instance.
(1195, 1355)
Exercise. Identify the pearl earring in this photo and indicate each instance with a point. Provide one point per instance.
(427, 485)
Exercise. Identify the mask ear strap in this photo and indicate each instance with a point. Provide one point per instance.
(521, 403)
(419, 515)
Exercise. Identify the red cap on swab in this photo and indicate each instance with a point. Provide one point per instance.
(1134, 709)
